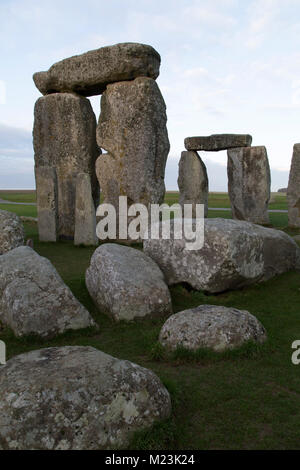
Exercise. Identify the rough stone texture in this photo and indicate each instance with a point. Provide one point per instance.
(132, 128)
(193, 181)
(76, 398)
(249, 182)
(64, 137)
(234, 254)
(127, 284)
(11, 231)
(209, 326)
(85, 212)
(293, 192)
(216, 142)
(47, 203)
(34, 299)
(88, 74)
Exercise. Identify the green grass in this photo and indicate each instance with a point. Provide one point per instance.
(28, 211)
(245, 399)
(18, 196)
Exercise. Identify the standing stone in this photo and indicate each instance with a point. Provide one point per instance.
(193, 181)
(12, 232)
(132, 129)
(46, 182)
(64, 138)
(88, 74)
(85, 213)
(249, 182)
(293, 192)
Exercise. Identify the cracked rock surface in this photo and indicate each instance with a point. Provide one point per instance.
(76, 398)
(34, 298)
(11, 231)
(210, 326)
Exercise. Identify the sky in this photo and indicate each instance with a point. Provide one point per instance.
(228, 66)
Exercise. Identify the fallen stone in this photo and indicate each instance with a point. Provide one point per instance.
(34, 299)
(85, 213)
(216, 142)
(126, 284)
(88, 74)
(11, 231)
(209, 326)
(249, 182)
(234, 254)
(132, 129)
(193, 181)
(64, 138)
(293, 192)
(76, 398)
(47, 203)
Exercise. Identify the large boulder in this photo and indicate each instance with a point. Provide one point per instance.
(64, 138)
(126, 284)
(293, 191)
(234, 254)
(88, 74)
(132, 129)
(34, 299)
(193, 181)
(249, 182)
(210, 326)
(76, 398)
(217, 142)
(11, 231)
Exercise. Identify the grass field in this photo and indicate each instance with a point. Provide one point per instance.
(245, 399)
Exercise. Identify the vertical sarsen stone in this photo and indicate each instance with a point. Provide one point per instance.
(193, 181)
(64, 138)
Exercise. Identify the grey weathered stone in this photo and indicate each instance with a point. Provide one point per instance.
(11, 231)
(132, 128)
(193, 181)
(88, 74)
(64, 138)
(216, 142)
(126, 284)
(210, 326)
(282, 190)
(34, 299)
(85, 212)
(293, 192)
(249, 182)
(47, 203)
(76, 398)
(234, 254)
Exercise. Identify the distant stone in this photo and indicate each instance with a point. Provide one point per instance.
(47, 203)
(193, 181)
(209, 326)
(132, 129)
(234, 254)
(293, 192)
(88, 74)
(76, 398)
(282, 190)
(249, 183)
(127, 284)
(34, 299)
(216, 142)
(85, 212)
(64, 138)
(12, 232)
